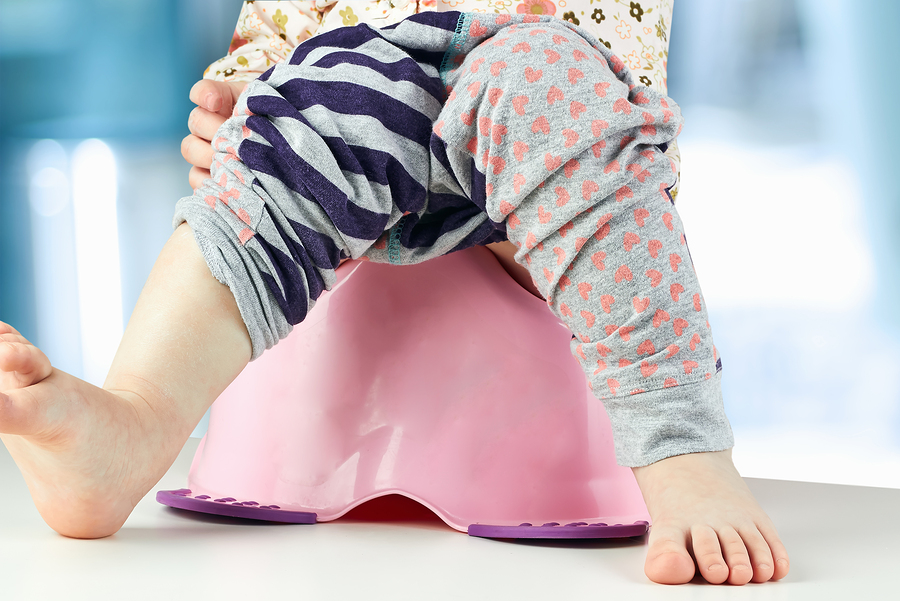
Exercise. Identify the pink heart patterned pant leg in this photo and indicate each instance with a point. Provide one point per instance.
(572, 155)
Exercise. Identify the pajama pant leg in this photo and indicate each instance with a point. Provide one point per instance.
(324, 153)
(569, 151)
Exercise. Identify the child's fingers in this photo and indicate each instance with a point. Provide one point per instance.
(215, 101)
(197, 176)
(197, 151)
(216, 96)
(203, 123)
(235, 88)
(205, 93)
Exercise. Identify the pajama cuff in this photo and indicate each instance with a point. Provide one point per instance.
(231, 265)
(651, 426)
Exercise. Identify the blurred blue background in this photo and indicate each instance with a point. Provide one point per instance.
(787, 195)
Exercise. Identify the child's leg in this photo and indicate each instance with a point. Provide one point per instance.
(89, 454)
(273, 225)
(568, 151)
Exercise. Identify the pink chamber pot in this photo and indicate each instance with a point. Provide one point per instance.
(445, 382)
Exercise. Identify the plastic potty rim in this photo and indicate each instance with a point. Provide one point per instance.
(445, 382)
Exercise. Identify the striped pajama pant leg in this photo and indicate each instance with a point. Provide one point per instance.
(324, 154)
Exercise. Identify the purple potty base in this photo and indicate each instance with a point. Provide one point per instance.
(183, 498)
(554, 530)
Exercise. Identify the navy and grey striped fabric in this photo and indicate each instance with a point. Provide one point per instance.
(325, 155)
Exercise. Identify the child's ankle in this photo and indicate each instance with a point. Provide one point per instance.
(157, 411)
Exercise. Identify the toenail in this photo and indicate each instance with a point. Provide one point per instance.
(783, 562)
(715, 566)
(764, 566)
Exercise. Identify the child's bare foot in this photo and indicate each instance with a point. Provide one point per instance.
(704, 517)
(88, 455)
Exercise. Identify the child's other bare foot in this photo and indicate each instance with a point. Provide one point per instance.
(88, 455)
(704, 517)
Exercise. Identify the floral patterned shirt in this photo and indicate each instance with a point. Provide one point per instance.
(267, 31)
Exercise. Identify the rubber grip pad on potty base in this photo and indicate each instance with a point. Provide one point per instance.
(554, 530)
(228, 506)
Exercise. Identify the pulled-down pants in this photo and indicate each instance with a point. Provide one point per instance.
(450, 130)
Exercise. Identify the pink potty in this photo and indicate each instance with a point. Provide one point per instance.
(445, 382)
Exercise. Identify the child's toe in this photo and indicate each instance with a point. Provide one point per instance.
(668, 561)
(760, 555)
(21, 363)
(5, 328)
(782, 563)
(782, 567)
(736, 556)
(708, 553)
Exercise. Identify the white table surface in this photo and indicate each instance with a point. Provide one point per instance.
(844, 543)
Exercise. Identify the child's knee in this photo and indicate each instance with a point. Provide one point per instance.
(539, 100)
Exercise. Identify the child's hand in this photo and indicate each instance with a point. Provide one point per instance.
(215, 100)
(706, 519)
